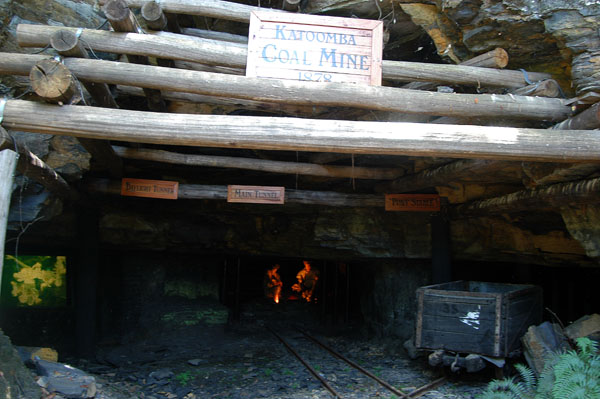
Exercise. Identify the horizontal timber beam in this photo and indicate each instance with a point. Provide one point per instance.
(554, 196)
(31, 166)
(439, 176)
(296, 134)
(211, 192)
(214, 52)
(307, 93)
(257, 164)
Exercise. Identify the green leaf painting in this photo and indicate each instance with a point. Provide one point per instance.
(34, 281)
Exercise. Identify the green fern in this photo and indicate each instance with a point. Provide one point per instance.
(572, 375)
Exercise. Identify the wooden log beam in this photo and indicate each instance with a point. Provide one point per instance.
(453, 171)
(53, 81)
(544, 88)
(67, 44)
(8, 162)
(31, 166)
(261, 165)
(292, 92)
(211, 192)
(280, 109)
(554, 196)
(212, 52)
(295, 134)
(157, 44)
(153, 15)
(122, 20)
(496, 58)
(588, 119)
(209, 8)
(215, 35)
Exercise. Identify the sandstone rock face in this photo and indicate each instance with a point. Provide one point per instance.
(584, 224)
(550, 35)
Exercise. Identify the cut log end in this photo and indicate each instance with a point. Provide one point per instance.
(116, 10)
(63, 40)
(153, 15)
(53, 81)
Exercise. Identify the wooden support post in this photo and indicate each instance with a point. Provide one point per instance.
(50, 78)
(67, 44)
(291, 5)
(296, 134)
(34, 168)
(53, 81)
(215, 35)
(441, 247)
(588, 119)
(86, 277)
(154, 16)
(258, 164)
(544, 88)
(496, 58)
(296, 92)
(550, 197)
(454, 171)
(8, 162)
(122, 20)
(186, 48)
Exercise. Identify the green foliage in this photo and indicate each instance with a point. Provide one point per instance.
(573, 375)
(268, 372)
(183, 378)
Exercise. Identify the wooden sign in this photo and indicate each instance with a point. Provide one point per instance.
(149, 188)
(314, 48)
(256, 194)
(412, 202)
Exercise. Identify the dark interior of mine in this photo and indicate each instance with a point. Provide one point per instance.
(199, 287)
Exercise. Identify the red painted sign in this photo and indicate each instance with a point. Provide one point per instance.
(412, 202)
(163, 189)
(256, 194)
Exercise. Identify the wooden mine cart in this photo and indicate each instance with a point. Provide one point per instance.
(472, 317)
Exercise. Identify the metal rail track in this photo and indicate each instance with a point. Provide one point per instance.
(412, 395)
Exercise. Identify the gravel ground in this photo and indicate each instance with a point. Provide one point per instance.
(245, 360)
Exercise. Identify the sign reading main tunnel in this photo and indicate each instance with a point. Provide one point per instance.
(412, 202)
(256, 194)
(314, 48)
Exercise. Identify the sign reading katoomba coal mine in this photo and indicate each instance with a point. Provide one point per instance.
(314, 48)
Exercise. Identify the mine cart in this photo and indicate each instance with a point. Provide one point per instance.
(475, 318)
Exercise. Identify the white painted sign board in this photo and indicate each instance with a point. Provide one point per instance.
(314, 48)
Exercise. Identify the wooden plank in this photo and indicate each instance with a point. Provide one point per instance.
(256, 194)
(292, 92)
(122, 20)
(211, 192)
(256, 164)
(146, 188)
(467, 343)
(453, 308)
(297, 134)
(213, 52)
(455, 325)
(8, 163)
(412, 202)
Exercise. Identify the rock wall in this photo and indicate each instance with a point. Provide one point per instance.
(556, 36)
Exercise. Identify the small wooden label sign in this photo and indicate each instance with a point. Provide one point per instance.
(314, 48)
(256, 194)
(149, 188)
(412, 202)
